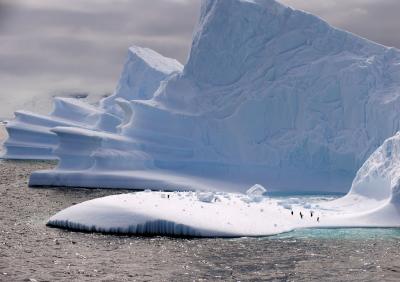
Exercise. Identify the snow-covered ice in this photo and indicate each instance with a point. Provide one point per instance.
(373, 201)
(269, 95)
(184, 214)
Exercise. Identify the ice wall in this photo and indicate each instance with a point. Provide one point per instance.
(292, 91)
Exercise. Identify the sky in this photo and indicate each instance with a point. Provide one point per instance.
(57, 47)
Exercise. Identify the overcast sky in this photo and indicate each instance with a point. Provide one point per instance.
(56, 46)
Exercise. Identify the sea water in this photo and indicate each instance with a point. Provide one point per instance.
(31, 251)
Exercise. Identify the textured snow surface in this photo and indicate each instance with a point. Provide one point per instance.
(269, 95)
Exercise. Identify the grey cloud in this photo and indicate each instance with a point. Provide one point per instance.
(5, 11)
(82, 48)
(379, 22)
(372, 19)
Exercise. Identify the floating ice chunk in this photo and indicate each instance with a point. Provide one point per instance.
(206, 197)
(255, 193)
(256, 190)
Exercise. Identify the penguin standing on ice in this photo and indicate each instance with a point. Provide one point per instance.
(301, 215)
(291, 212)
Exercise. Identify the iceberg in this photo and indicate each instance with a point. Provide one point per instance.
(269, 95)
(373, 201)
(31, 136)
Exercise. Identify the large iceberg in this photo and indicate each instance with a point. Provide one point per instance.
(269, 95)
(373, 201)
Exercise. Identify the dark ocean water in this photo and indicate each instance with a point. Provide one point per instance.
(30, 251)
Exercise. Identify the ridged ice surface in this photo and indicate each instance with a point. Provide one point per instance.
(31, 135)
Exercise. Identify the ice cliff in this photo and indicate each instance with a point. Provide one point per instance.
(269, 95)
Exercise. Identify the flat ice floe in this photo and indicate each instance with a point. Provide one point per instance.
(183, 214)
(210, 215)
(373, 201)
